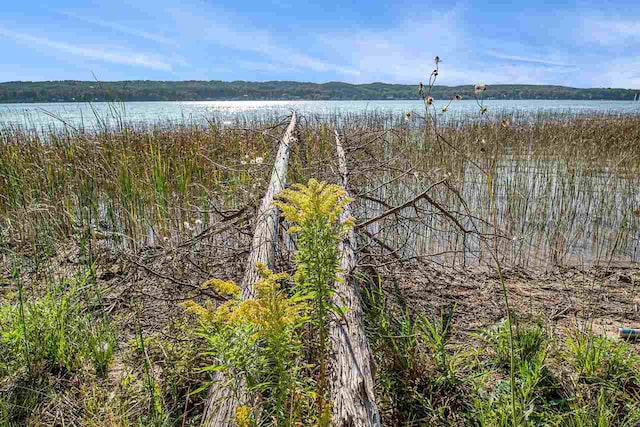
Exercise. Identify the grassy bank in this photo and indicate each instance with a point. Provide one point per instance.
(106, 237)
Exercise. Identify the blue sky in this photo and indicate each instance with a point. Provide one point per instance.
(583, 44)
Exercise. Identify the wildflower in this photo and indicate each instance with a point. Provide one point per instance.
(479, 88)
(435, 72)
(437, 60)
(307, 202)
(248, 311)
(243, 162)
(421, 89)
(483, 110)
(223, 287)
(349, 223)
(407, 116)
(445, 109)
(429, 100)
(243, 416)
(271, 309)
(259, 160)
(195, 308)
(458, 97)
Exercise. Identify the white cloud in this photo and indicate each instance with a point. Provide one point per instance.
(618, 73)
(405, 54)
(528, 59)
(154, 37)
(126, 58)
(608, 31)
(242, 37)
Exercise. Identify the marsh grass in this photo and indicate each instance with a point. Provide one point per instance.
(50, 334)
(564, 192)
(565, 187)
(135, 187)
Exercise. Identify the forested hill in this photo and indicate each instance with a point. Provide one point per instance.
(146, 90)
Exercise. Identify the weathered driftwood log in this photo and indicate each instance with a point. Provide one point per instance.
(222, 400)
(352, 393)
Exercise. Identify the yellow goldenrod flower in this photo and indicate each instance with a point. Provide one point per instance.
(193, 307)
(222, 287)
(312, 202)
(243, 416)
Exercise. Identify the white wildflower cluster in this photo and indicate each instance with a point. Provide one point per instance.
(257, 161)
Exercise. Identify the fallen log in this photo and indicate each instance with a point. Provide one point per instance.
(352, 393)
(222, 401)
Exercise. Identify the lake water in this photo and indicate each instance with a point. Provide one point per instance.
(86, 115)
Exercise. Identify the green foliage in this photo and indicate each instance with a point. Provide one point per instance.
(599, 359)
(51, 334)
(69, 91)
(156, 411)
(55, 330)
(258, 343)
(534, 385)
(419, 379)
(530, 342)
(179, 363)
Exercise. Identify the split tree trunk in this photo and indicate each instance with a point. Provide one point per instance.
(222, 401)
(352, 392)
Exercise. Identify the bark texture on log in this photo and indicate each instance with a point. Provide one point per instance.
(222, 401)
(352, 392)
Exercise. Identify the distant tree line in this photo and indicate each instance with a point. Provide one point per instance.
(147, 90)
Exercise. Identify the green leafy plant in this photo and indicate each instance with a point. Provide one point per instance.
(598, 359)
(257, 342)
(52, 334)
(314, 210)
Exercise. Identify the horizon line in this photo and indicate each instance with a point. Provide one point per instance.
(313, 83)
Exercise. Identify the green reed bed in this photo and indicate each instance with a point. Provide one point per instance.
(134, 185)
(565, 184)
